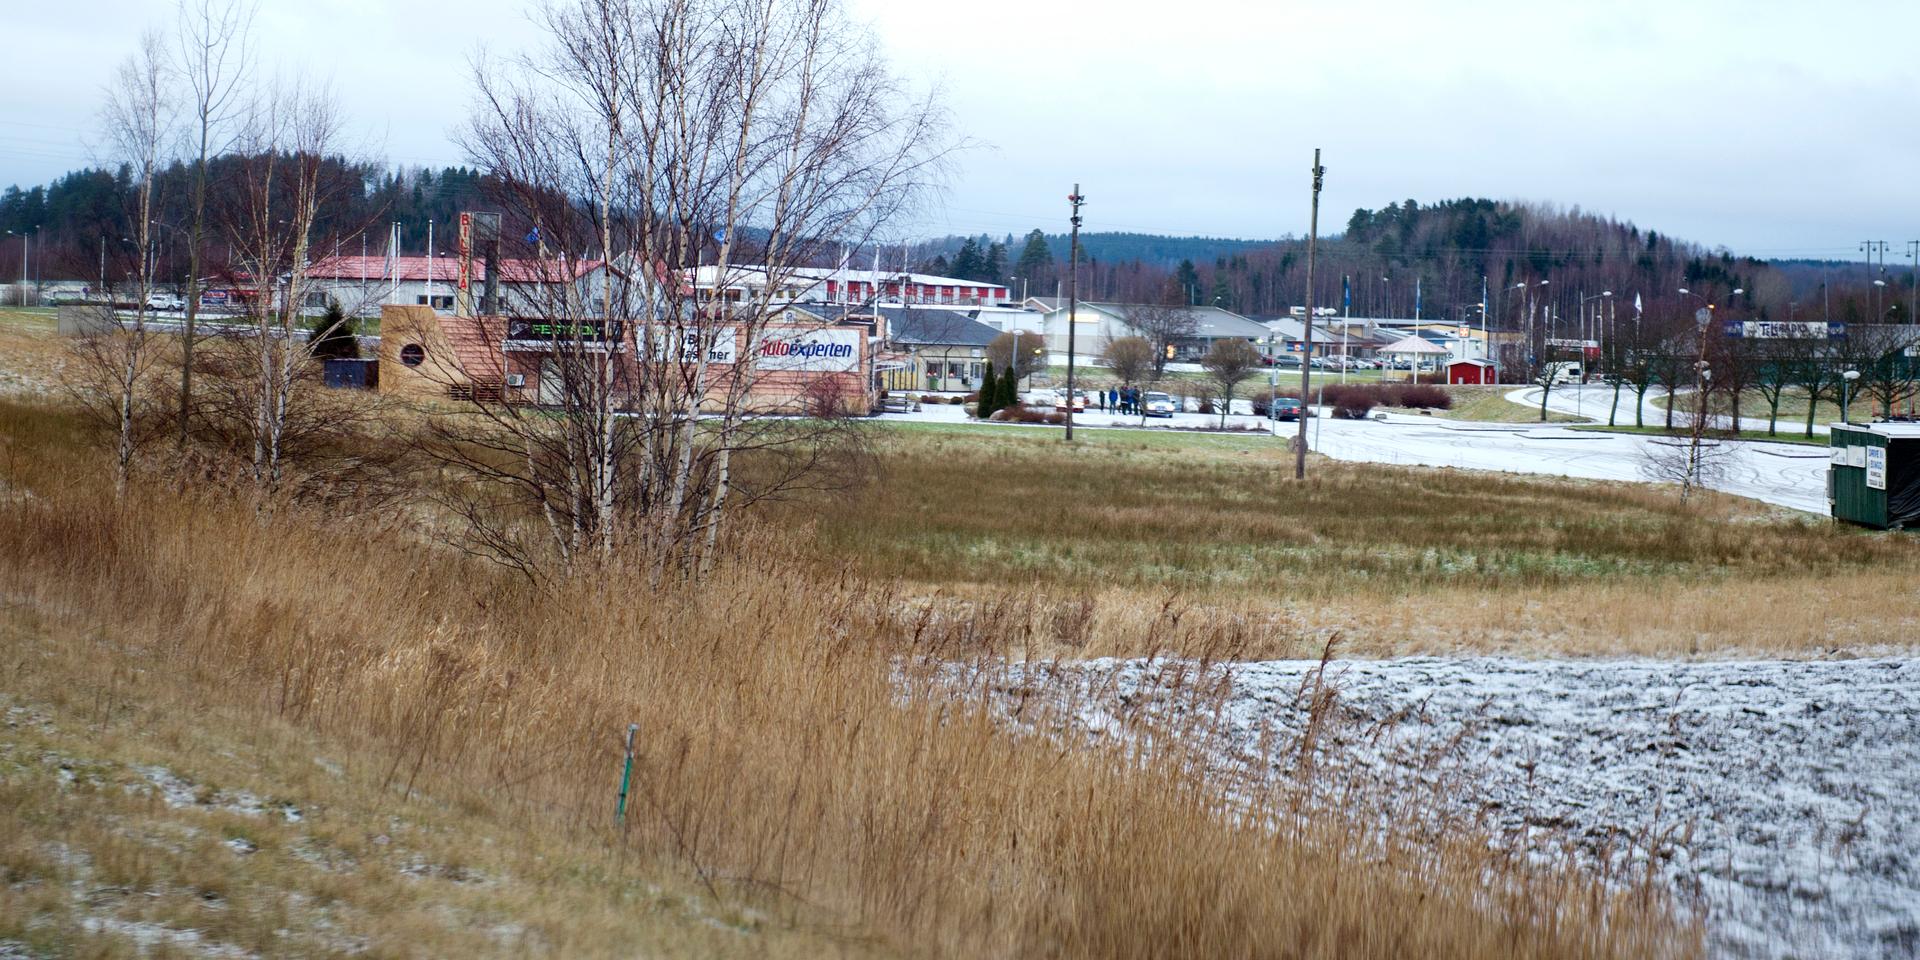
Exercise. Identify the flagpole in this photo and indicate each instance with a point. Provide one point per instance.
(1346, 322)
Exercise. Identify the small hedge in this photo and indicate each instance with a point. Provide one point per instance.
(1387, 395)
(1021, 413)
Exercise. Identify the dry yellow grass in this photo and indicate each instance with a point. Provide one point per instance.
(800, 751)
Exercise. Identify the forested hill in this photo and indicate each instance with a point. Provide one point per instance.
(1146, 248)
(1406, 257)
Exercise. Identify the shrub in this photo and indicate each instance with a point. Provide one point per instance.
(1354, 405)
(957, 401)
(1021, 413)
(1426, 398)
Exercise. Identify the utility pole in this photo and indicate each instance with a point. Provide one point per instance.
(1913, 309)
(1073, 298)
(1873, 294)
(1306, 350)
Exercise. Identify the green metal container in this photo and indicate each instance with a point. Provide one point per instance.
(1873, 478)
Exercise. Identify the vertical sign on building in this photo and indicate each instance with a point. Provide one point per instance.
(463, 299)
(1876, 468)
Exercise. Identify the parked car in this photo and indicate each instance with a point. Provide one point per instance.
(1286, 408)
(165, 301)
(1157, 404)
(1365, 365)
(1079, 401)
(1287, 360)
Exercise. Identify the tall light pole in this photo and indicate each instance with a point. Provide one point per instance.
(1073, 297)
(1306, 346)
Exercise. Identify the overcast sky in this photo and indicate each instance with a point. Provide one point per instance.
(1774, 128)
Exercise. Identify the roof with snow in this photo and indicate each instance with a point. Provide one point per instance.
(1208, 322)
(808, 277)
(1419, 345)
(918, 327)
(447, 269)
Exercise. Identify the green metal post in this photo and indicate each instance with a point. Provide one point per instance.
(626, 777)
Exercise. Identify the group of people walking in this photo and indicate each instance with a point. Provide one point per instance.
(1118, 400)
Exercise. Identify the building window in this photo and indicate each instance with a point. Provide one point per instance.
(412, 355)
(439, 302)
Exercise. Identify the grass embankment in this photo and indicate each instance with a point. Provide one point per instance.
(1753, 406)
(804, 764)
(137, 818)
(1489, 404)
(1391, 559)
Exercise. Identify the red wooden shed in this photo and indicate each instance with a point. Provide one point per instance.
(1472, 371)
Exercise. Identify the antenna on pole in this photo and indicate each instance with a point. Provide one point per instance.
(1073, 297)
(1306, 350)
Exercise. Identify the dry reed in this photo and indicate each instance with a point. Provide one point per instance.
(803, 743)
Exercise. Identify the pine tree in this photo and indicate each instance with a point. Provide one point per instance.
(1010, 387)
(989, 394)
(1187, 277)
(333, 335)
(966, 263)
(1036, 259)
(993, 265)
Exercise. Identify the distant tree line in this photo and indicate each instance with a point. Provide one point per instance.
(83, 217)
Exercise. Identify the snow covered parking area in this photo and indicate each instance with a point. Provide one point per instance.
(1782, 796)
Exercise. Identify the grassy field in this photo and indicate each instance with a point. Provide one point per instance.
(1793, 408)
(822, 766)
(1389, 559)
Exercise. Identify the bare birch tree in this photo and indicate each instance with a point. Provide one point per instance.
(283, 183)
(679, 163)
(116, 355)
(211, 36)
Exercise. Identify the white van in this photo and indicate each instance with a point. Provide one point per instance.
(1567, 373)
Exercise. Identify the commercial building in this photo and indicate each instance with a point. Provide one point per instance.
(826, 285)
(1095, 324)
(800, 360)
(363, 286)
(932, 349)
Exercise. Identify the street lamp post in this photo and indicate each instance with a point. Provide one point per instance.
(23, 263)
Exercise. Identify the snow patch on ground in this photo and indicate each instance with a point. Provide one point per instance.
(148, 936)
(1781, 797)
